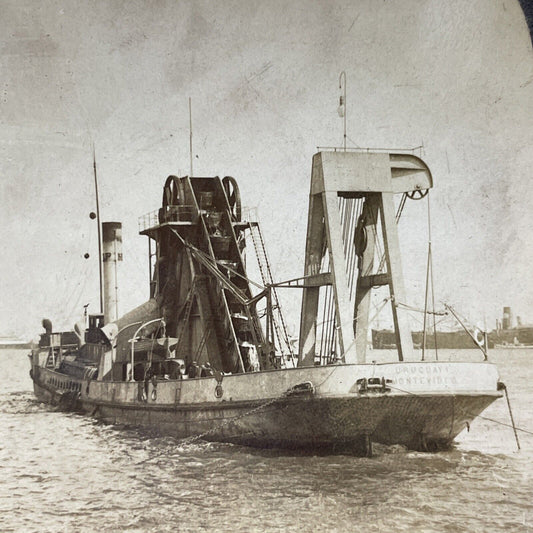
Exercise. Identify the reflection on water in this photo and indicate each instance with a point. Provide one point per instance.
(66, 472)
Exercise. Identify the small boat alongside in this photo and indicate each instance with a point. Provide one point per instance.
(208, 355)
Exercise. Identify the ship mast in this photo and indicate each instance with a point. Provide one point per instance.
(100, 265)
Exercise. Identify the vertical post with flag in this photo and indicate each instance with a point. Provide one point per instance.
(342, 102)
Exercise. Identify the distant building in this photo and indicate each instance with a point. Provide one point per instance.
(505, 334)
(508, 334)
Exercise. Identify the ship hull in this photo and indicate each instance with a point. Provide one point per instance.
(56, 388)
(423, 423)
(418, 405)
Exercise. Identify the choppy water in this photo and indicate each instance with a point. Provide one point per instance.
(66, 472)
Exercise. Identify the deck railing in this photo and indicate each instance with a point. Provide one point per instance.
(172, 213)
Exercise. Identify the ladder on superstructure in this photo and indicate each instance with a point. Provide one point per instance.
(280, 327)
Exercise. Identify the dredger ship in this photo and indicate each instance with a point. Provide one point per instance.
(208, 356)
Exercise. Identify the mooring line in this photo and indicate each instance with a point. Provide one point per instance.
(502, 386)
(516, 428)
(194, 438)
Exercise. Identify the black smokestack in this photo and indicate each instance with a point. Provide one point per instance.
(47, 325)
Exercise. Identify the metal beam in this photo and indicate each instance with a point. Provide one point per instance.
(373, 280)
(313, 257)
(404, 341)
(365, 280)
(337, 263)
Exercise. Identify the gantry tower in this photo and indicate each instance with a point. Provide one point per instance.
(352, 246)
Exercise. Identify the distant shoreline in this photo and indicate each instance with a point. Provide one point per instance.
(16, 346)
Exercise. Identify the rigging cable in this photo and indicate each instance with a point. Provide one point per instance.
(364, 332)
(354, 263)
(433, 289)
(462, 322)
(329, 321)
(429, 280)
(397, 218)
(418, 310)
(324, 301)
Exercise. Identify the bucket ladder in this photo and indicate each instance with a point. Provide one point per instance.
(199, 279)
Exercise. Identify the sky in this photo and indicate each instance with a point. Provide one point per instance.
(455, 77)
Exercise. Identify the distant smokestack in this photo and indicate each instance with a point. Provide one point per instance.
(111, 255)
(507, 318)
(518, 321)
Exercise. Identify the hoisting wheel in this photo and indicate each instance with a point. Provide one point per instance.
(171, 198)
(234, 197)
(417, 194)
(171, 193)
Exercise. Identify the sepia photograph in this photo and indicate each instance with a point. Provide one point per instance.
(265, 266)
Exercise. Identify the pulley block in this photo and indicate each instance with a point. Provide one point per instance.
(417, 194)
